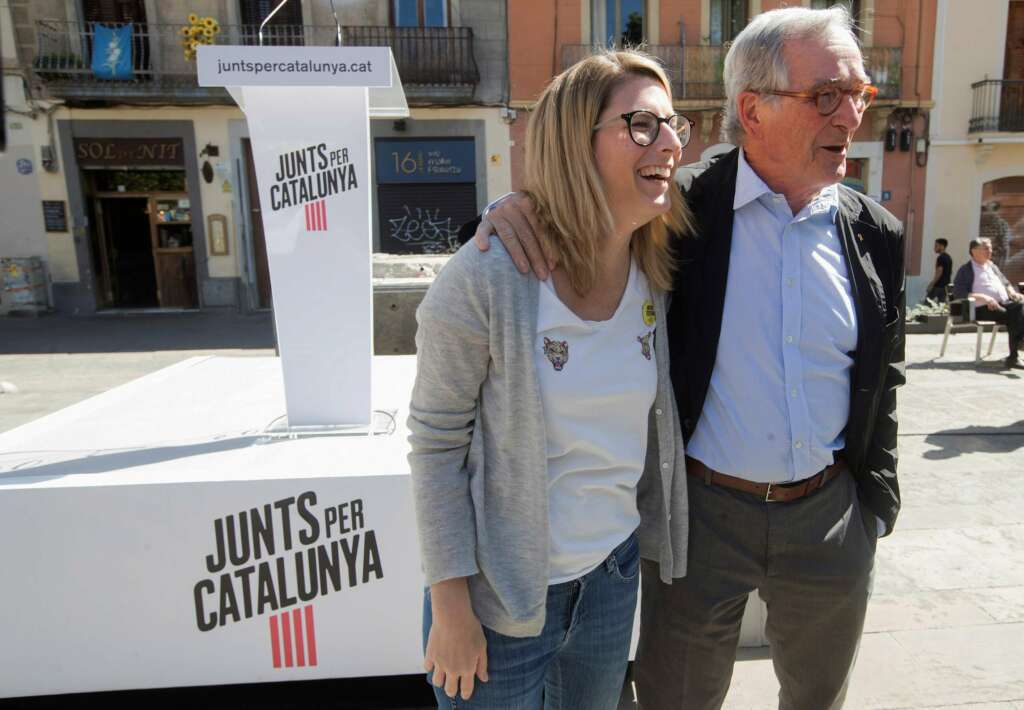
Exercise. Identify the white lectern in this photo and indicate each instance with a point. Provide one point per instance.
(308, 110)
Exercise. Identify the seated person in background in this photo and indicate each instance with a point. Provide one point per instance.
(943, 272)
(995, 299)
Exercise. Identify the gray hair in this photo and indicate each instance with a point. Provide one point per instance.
(755, 62)
(979, 242)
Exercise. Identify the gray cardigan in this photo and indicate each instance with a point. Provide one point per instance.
(479, 444)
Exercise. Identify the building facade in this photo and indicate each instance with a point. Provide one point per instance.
(136, 186)
(975, 183)
(690, 38)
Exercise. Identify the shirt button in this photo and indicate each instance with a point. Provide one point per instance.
(664, 465)
(798, 445)
(789, 338)
(793, 392)
(658, 412)
(789, 282)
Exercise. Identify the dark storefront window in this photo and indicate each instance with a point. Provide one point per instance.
(426, 190)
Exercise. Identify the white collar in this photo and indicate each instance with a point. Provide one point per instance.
(750, 186)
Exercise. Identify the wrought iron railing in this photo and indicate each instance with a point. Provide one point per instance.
(670, 57)
(696, 71)
(424, 55)
(998, 106)
(160, 65)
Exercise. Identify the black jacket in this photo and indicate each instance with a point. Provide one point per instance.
(873, 244)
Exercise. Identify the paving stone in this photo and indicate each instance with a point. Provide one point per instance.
(925, 610)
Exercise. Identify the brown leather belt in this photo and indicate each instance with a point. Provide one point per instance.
(768, 492)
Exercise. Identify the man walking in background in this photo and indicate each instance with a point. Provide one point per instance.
(943, 272)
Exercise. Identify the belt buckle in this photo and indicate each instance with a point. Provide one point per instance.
(768, 493)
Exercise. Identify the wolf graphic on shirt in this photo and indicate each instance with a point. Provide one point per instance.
(645, 344)
(557, 351)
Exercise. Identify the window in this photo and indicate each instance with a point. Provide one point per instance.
(619, 23)
(255, 11)
(419, 13)
(857, 174)
(285, 28)
(114, 11)
(728, 18)
(852, 6)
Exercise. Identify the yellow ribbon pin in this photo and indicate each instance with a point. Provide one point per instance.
(648, 312)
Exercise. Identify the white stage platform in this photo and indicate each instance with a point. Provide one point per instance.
(109, 517)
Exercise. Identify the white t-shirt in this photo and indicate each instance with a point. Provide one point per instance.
(597, 385)
(986, 282)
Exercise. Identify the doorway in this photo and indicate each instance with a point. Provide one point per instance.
(259, 240)
(1002, 221)
(142, 244)
(124, 230)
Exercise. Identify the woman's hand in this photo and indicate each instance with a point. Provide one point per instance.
(456, 647)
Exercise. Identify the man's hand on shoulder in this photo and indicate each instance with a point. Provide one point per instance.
(514, 221)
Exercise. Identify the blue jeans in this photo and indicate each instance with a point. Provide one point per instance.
(578, 660)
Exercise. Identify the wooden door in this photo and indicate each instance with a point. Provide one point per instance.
(176, 272)
(259, 241)
(173, 253)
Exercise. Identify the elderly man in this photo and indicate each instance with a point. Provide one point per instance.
(994, 298)
(786, 334)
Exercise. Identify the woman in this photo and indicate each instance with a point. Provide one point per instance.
(534, 404)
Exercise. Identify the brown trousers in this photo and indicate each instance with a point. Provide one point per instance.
(811, 561)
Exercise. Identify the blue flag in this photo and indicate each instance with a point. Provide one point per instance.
(112, 52)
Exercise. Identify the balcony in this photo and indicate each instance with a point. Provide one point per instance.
(670, 57)
(998, 106)
(695, 72)
(436, 64)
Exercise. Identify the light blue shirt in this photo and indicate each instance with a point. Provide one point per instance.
(779, 397)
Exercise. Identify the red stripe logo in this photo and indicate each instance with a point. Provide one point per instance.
(293, 638)
(316, 216)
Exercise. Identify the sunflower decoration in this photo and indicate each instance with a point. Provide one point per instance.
(200, 30)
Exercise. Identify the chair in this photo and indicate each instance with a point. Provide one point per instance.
(963, 311)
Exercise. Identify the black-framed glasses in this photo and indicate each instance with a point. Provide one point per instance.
(644, 126)
(828, 98)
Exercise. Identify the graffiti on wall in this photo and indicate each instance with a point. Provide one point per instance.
(424, 230)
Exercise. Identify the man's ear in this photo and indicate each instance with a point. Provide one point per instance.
(749, 107)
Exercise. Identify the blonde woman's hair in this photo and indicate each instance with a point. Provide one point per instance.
(562, 177)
